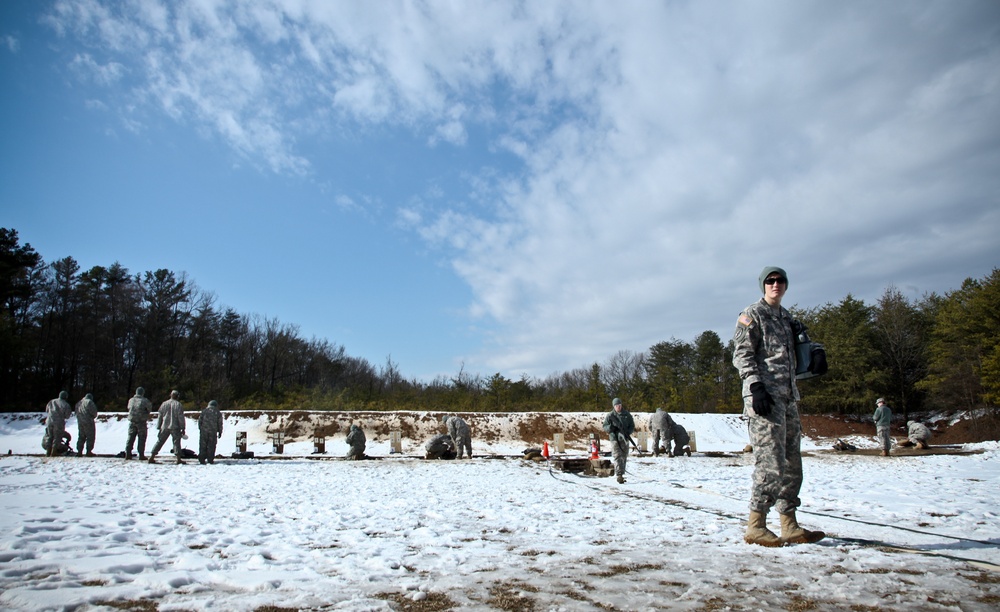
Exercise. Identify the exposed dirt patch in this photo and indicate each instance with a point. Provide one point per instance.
(827, 426)
(944, 430)
(130, 605)
(425, 602)
(511, 596)
(535, 427)
(966, 431)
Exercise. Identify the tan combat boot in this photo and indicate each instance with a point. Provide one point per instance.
(758, 533)
(791, 533)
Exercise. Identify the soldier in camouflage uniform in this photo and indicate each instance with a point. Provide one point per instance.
(883, 425)
(681, 440)
(170, 422)
(660, 425)
(764, 355)
(356, 440)
(918, 435)
(620, 426)
(138, 418)
(62, 446)
(86, 412)
(460, 434)
(209, 432)
(440, 446)
(56, 413)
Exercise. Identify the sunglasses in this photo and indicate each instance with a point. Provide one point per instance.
(775, 279)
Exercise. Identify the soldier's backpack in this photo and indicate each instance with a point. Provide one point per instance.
(810, 357)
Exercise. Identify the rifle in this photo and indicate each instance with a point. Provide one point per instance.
(631, 441)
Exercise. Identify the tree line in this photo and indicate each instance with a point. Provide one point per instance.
(106, 331)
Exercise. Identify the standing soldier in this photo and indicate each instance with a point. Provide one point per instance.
(356, 440)
(209, 432)
(764, 355)
(883, 425)
(460, 434)
(660, 425)
(86, 412)
(620, 426)
(138, 419)
(170, 422)
(56, 413)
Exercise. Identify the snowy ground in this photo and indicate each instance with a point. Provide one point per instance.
(400, 533)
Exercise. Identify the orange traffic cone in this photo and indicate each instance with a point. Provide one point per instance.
(545, 450)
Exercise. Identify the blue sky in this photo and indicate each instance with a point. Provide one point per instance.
(513, 187)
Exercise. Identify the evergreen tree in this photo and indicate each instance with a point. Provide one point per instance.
(964, 369)
(854, 379)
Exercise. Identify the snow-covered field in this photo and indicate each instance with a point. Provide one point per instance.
(401, 533)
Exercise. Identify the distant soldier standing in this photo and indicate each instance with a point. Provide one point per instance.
(460, 434)
(883, 425)
(86, 413)
(209, 432)
(356, 440)
(139, 409)
(170, 422)
(764, 355)
(56, 413)
(660, 425)
(620, 427)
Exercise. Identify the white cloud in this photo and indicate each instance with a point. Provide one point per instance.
(669, 150)
(102, 74)
(12, 43)
(705, 162)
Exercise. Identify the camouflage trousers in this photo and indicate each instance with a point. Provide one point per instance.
(162, 437)
(136, 430)
(883, 435)
(207, 441)
(619, 455)
(777, 475)
(356, 451)
(85, 434)
(54, 429)
(463, 443)
(657, 434)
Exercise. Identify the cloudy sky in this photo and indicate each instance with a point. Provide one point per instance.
(514, 187)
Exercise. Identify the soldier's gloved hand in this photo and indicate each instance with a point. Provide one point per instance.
(621, 438)
(762, 401)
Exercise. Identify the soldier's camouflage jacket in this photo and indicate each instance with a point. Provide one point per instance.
(765, 352)
(139, 409)
(86, 411)
(171, 416)
(210, 421)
